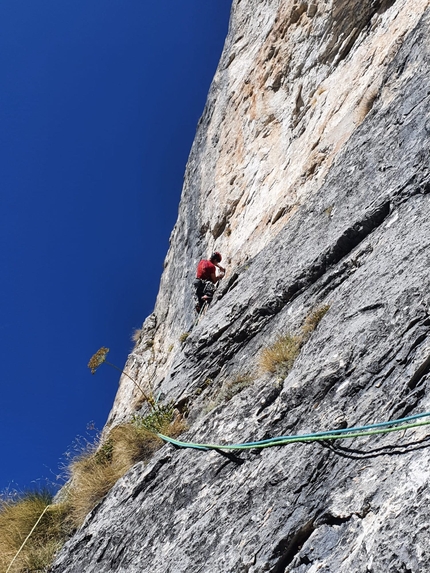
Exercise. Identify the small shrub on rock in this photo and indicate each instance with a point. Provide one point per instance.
(158, 419)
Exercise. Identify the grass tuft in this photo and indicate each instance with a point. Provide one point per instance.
(136, 335)
(183, 337)
(233, 386)
(94, 472)
(279, 357)
(17, 518)
(229, 389)
(366, 104)
(314, 318)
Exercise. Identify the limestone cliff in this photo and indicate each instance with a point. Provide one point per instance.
(310, 173)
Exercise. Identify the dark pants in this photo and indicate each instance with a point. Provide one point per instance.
(203, 293)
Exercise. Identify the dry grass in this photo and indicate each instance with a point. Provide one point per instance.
(329, 210)
(279, 357)
(319, 91)
(17, 518)
(366, 104)
(183, 337)
(95, 471)
(176, 428)
(233, 386)
(90, 482)
(136, 334)
(136, 337)
(313, 319)
(229, 389)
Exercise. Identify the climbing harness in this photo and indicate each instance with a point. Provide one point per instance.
(203, 291)
(342, 434)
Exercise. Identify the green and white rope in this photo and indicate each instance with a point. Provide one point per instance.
(341, 434)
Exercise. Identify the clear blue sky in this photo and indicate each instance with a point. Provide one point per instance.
(99, 103)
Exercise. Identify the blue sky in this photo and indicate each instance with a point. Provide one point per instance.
(99, 102)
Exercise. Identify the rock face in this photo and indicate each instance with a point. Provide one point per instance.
(310, 173)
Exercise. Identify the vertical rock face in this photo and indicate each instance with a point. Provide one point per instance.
(310, 173)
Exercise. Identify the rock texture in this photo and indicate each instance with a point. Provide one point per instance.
(310, 173)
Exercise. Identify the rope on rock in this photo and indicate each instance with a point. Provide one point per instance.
(341, 434)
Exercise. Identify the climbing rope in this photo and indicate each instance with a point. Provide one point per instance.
(341, 434)
(201, 313)
(28, 537)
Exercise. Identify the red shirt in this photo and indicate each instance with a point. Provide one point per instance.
(205, 270)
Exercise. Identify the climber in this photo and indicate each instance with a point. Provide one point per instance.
(207, 279)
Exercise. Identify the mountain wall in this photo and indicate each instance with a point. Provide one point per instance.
(310, 173)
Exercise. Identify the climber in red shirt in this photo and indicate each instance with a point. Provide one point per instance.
(206, 279)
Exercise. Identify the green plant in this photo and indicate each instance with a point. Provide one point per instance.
(32, 530)
(162, 421)
(184, 337)
(157, 420)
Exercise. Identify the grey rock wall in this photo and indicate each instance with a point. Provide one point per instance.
(357, 239)
(295, 81)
